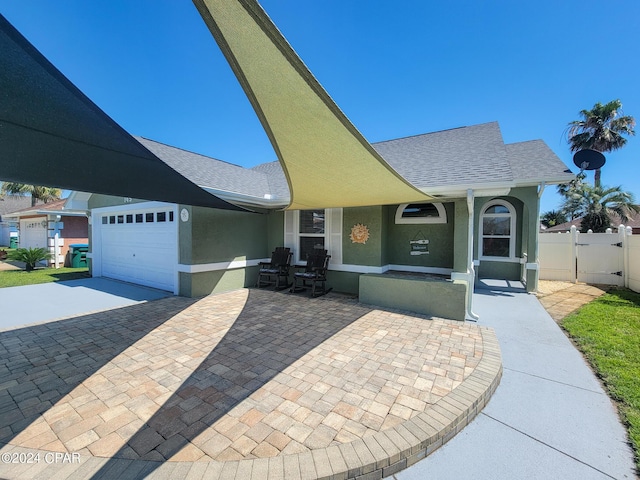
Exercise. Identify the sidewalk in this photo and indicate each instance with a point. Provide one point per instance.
(550, 418)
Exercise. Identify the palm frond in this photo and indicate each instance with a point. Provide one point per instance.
(601, 128)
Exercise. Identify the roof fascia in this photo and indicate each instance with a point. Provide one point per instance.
(249, 200)
(63, 213)
(479, 189)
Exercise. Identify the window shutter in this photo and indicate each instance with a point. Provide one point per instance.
(335, 236)
(290, 230)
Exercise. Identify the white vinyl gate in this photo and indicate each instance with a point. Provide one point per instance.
(597, 258)
(600, 259)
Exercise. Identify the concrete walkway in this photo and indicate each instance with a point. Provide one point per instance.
(550, 418)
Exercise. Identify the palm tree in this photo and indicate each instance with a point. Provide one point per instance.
(553, 218)
(46, 194)
(596, 205)
(602, 129)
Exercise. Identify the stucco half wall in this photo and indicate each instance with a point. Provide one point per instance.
(438, 298)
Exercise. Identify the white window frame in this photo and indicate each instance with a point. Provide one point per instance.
(332, 234)
(512, 231)
(441, 218)
(310, 235)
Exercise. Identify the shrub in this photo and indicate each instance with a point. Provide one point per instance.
(30, 256)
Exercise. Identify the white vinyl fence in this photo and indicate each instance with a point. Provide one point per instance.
(598, 258)
(632, 262)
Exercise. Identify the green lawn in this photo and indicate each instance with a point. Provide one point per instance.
(16, 278)
(607, 331)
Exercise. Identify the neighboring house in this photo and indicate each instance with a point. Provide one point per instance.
(51, 225)
(484, 223)
(8, 204)
(633, 222)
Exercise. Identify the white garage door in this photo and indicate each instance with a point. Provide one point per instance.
(33, 233)
(139, 246)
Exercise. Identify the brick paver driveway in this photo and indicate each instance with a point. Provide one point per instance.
(248, 380)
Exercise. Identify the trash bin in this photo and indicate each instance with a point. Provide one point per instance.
(13, 242)
(79, 254)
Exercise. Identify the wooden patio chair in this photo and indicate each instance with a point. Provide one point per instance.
(314, 274)
(277, 270)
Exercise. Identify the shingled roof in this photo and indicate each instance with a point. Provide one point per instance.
(534, 160)
(209, 172)
(12, 203)
(475, 155)
(460, 157)
(633, 221)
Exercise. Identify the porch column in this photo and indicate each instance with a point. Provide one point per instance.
(532, 268)
(469, 275)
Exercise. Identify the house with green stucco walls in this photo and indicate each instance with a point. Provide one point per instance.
(422, 257)
(473, 200)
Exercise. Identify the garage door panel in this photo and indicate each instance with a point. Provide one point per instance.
(33, 233)
(143, 252)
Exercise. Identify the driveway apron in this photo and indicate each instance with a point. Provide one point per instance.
(51, 301)
(549, 418)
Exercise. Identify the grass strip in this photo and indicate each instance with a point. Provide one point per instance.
(18, 278)
(607, 331)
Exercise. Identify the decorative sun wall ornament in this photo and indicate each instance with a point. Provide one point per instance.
(359, 233)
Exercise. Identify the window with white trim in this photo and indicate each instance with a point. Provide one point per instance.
(306, 230)
(420, 213)
(311, 232)
(498, 231)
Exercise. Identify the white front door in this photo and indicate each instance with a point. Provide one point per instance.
(137, 244)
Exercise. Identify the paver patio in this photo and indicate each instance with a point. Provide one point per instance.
(246, 381)
(562, 302)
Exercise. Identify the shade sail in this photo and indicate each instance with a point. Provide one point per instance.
(328, 163)
(52, 134)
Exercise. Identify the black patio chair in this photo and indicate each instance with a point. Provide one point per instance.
(273, 272)
(314, 274)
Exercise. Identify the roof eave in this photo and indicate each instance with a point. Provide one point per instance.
(479, 189)
(491, 188)
(267, 201)
(30, 213)
(546, 181)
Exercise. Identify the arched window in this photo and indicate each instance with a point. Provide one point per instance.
(498, 231)
(414, 213)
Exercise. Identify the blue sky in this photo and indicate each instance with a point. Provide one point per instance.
(395, 68)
